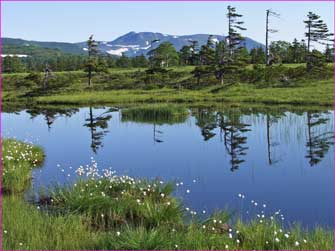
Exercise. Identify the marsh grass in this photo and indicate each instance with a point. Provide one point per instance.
(156, 114)
(105, 211)
(109, 203)
(26, 227)
(17, 163)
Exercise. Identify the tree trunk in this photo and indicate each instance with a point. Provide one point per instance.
(268, 138)
(267, 38)
(89, 76)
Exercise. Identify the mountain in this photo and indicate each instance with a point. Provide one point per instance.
(132, 44)
(72, 48)
(137, 43)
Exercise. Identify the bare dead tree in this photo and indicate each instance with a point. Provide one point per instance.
(269, 13)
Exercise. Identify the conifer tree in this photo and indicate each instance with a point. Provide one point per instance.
(317, 32)
(92, 48)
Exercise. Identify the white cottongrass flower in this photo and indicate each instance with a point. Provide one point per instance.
(238, 241)
(20, 243)
(188, 191)
(230, 236)
(305, 241)
(239, 195)
(203, 226)
(214, 221)
(286, 235)
(276, 239)
(203, 211)
(162, 195)
(176, 246)
(118, 233)
(226, 246)
(296, 243)
(264, 205)
(5, 231)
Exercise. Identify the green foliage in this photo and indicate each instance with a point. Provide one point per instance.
(12, 64)
(164, 55)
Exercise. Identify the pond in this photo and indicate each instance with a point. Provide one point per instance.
(278, 158)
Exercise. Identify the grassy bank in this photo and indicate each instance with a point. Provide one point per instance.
(282, 84)
(18, 161)
(105, 211)
(317, 93)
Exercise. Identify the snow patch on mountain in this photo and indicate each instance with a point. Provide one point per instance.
(117, 52)
(14, 55)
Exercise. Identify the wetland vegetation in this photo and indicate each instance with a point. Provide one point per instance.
(211, 144)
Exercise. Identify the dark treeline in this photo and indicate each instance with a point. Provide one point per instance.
(67, 62)
(281, 52)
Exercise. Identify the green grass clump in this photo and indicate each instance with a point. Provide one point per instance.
(156, 114)
(117, 200)
(17, 163)
(194, 237)
(26, 227)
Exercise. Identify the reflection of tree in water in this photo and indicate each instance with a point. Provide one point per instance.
(271, 118)
(206, 121)
(51, 114)
(234, 139)
(317, 143)
(98, 126)
(231, 131)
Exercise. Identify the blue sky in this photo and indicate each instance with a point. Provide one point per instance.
(75, 21)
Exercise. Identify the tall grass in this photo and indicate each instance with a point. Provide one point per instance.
(156, 114)
(17, 163)
(26, 227)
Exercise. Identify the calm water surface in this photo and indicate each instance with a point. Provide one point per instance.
(279, 158)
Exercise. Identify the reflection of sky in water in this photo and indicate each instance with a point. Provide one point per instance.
(304, 193)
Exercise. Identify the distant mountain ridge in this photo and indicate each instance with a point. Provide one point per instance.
(131, 44)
